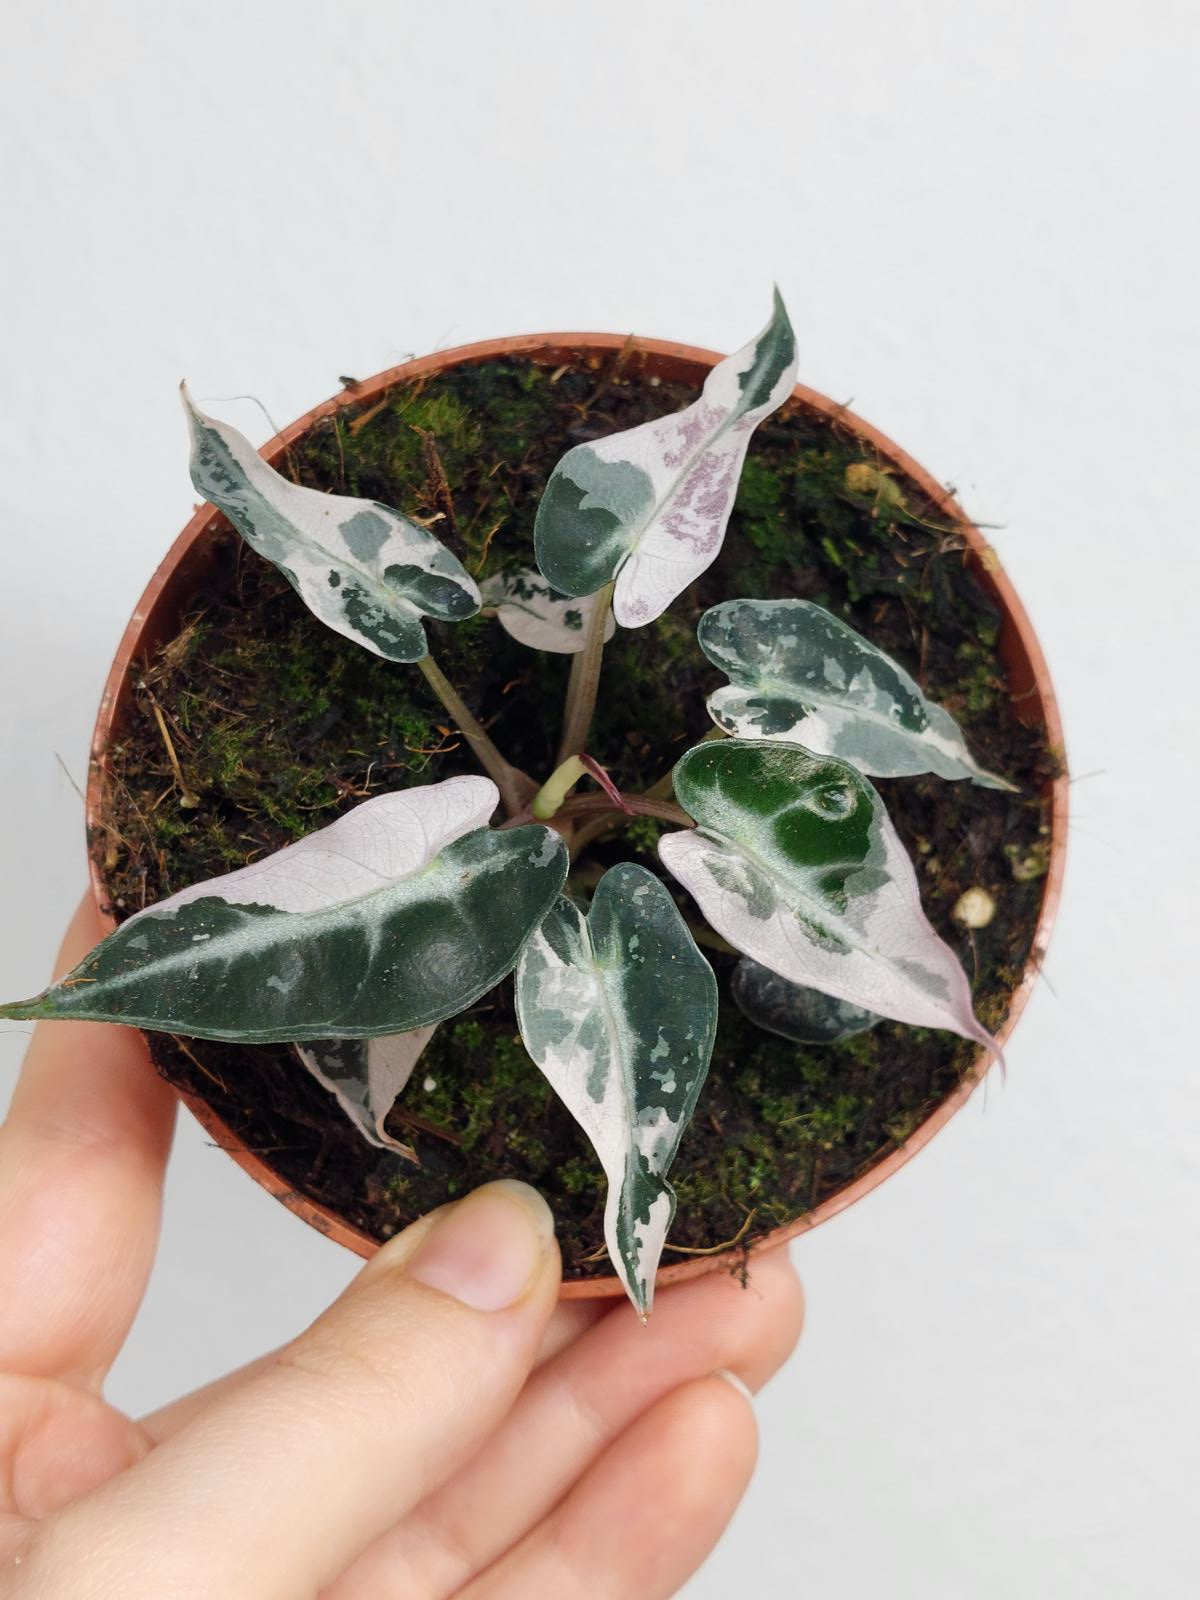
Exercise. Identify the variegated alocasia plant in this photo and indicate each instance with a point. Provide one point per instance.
(356, 942)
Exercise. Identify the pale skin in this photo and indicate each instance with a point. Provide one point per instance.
(444, 1429)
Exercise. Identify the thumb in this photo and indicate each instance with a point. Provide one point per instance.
(276, 1487)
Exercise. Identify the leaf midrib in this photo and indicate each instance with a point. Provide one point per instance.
(256, 933)
(348, 562)
(765, 685)
(834, 923)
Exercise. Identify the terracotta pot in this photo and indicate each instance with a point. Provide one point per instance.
(161, 608)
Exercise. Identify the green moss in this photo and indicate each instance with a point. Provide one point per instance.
(389, 450)
(280, 725)
(642, 835)
(980, 687)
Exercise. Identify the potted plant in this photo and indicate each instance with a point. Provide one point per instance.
(538, 820)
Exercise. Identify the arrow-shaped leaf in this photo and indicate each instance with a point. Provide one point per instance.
(363, 569)
(399, 914)
(792, 1010)
(537, 615)
(795, 863)
(649, 507)
(619, 1010)
(366, 1076)
(799, 674)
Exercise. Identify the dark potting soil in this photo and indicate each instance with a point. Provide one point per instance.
(279, 725)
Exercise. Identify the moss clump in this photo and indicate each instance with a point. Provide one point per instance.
(280, 725)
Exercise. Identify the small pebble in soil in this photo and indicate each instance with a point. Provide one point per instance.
(974, 908)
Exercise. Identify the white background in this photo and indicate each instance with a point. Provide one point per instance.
(984, 219)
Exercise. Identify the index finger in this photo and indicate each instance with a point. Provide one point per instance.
(82, 1155)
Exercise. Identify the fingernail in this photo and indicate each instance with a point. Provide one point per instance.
(486, 1250)
(732, 1379)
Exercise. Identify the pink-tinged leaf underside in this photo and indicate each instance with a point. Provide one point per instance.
(649, 506)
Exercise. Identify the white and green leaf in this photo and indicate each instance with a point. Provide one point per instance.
(649, 506)
(399, 914)
(367, 1076)
(795, 863)
(619, 1010)
(539, 616)
(792, 1010)
(801, 675)
(362, 568)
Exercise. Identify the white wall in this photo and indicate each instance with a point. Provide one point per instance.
(984, 218)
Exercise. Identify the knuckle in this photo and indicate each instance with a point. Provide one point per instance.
(321, 1358)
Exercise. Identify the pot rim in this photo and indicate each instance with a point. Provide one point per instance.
(1030, 683)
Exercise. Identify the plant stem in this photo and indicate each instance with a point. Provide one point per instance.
(585, 679)
(588, 832)
(187, 800)
(599, 805)
(557, 787)
(506, 778)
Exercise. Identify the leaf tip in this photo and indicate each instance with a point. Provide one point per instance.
(992, 780)
(601, 775)
(195, 417)
(779, 310)
(641, 1297)
(992, 1044)
(27, 1010)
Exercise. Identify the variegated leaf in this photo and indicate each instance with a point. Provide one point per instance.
(792, 1010)
(363, 569)
(400, 913)
(537, 615)
(799, 674)
(795, 863)
(619, 1010)
(366, 1076)
(649, 507)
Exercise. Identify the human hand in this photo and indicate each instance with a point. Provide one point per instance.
(442, 1430)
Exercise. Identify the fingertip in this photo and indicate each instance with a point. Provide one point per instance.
(749, 1325)
(489, 1251)
(711, 1434)
(721, 1418)
(774, 1276)
(701, 1442)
